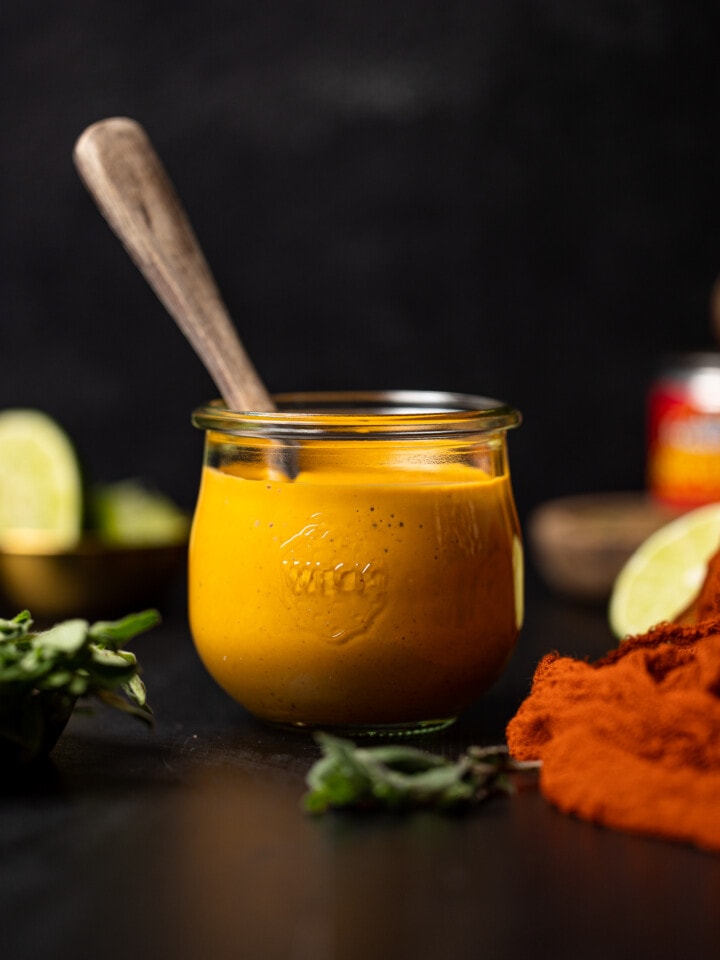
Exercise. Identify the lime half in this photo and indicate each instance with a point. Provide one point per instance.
(665, 573)
(129, 514)
(41, 498)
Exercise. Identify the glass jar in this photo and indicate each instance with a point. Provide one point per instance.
(355, 558)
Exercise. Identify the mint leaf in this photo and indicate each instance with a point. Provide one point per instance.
(398, 777)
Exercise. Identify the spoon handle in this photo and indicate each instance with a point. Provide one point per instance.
(127, 180)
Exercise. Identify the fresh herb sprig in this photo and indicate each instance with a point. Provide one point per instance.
(43, 674)
(398, 777)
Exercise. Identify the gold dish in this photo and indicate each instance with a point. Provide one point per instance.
(580, 543)
(90, 580)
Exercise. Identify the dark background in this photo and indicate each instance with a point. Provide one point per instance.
(518, 199)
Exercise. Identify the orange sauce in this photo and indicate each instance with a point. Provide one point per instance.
(346, 598)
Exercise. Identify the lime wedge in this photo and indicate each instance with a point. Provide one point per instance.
(518, 564)
(41, 497)
(129, 514)
(665, 573)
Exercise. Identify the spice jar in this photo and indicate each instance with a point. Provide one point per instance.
(683, 457)
(355, 559)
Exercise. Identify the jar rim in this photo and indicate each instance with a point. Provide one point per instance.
(382, 413)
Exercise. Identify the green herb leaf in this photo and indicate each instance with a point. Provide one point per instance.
(135, 690)
(396, 777)
(42, 675)
(65, 638)
(17, 627)
(113, 633)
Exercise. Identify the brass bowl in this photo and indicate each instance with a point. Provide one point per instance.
(580, 543)
(92, 580)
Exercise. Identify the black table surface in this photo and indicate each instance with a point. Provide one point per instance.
(190, 841)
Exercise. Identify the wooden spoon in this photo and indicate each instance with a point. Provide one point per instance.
(120, 168)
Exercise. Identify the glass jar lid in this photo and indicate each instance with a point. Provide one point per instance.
(405, 414)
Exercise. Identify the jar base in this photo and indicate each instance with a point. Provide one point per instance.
(356, 731)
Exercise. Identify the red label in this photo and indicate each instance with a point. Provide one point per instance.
(683, 468)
